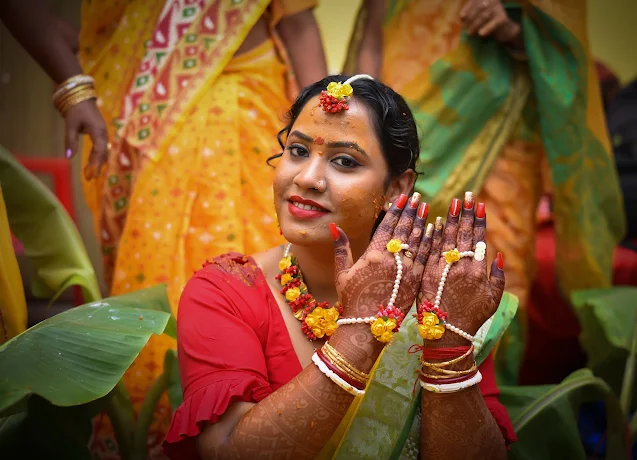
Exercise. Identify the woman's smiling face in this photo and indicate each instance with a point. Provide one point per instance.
(332, 170)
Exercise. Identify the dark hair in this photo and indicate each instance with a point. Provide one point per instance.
(391, 117)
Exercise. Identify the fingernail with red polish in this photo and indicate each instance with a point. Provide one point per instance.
(480, 210)
(454, 209)
(500, 259)
(400, 202)
(69, 152)
(423, 210)
(468, 200)
(336, 235)
(414, 200)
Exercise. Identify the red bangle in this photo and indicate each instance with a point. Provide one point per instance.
(340, 373)
(443, 353)
(451, 380)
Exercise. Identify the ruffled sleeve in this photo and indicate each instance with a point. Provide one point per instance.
(221, 358)
(491, 394)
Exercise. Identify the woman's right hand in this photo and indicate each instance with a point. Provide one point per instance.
(85, 118)
(365, 285)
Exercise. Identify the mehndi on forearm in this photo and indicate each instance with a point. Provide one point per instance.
(297, 420)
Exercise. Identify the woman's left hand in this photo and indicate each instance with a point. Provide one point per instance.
(469, 296)
(488, 17)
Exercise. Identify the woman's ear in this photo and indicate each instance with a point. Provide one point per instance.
(399, 185)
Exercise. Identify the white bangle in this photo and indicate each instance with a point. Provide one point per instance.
(452, 387)
(369, 320)
(335, 378)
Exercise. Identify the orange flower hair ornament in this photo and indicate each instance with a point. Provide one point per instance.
(334, 99)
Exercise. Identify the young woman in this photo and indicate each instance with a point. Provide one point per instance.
(255, 386)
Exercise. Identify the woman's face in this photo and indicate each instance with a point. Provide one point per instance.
(332, 170)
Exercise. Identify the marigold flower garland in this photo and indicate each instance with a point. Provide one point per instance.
(318, 318)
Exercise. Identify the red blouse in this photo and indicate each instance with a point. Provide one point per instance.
(231, 349)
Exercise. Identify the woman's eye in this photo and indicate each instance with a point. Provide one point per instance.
(346, 162)
(297, 151)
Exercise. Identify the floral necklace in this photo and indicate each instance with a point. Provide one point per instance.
(318, 318)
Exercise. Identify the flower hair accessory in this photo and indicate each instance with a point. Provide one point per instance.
(335, 97)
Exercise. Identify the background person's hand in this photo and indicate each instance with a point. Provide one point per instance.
(85, 118)
(488, 18)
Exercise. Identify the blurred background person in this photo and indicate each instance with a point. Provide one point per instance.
(507, 103)
(191, 95)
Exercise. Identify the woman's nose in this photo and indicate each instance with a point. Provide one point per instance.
(311, 175)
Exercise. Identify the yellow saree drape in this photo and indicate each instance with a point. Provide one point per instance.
(13, 307)
(187, 177)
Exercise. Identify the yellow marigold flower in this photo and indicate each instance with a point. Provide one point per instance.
(285, 263)
(430, 329)
(339, 90)
(285, 279)
(386, 337)
(322, 321)
(452, 256)
(378, 327)
(390, 324)
(330, 329)
(330, 314)
(292, 294)
(394, 246)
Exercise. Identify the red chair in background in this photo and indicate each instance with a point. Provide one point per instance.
(60, 172)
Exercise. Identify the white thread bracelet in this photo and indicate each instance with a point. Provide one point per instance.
(452, 387)
(335, 378)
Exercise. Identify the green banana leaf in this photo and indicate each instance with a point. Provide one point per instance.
(80, 355)
(607, 318)
(49, 236)
(171, 369)
(545, 418)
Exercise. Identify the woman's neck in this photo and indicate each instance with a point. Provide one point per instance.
(317, 265)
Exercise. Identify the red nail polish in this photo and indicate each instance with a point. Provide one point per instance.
(454, 209)
(500, 259)
(480, 210)
(400, 202)
(414, 200)
(423, 210)
(468, 200)
(334, 231)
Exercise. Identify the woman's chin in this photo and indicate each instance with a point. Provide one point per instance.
(303, 235)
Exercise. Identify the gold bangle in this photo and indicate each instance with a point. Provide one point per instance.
(77, 79)
(76, 100)
(344, 367)
(446, 373)
(330, 350)
(61, 100)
